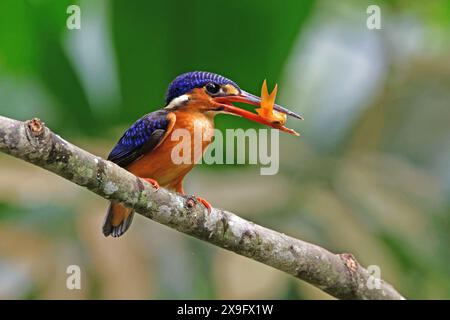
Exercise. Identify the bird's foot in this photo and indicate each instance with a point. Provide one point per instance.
(191, 202)
(153, 182)
(207, 205)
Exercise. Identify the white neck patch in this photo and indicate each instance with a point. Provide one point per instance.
(177, 101)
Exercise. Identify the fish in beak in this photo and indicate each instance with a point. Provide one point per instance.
(248, 98)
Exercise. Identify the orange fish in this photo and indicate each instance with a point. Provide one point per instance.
(267, 112)
(267, 101)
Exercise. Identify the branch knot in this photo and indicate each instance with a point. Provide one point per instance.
(36, 127)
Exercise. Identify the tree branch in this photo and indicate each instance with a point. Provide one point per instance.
(338, 274)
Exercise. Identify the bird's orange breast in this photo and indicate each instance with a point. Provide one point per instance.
(162, 163)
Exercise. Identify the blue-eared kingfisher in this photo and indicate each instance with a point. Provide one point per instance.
(145, 149)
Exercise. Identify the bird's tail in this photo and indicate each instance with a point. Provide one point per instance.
(117, 221)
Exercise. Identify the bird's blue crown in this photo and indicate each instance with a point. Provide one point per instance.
(196, 79)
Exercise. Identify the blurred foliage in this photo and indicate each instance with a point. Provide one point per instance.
(369, 175)
(153, 41)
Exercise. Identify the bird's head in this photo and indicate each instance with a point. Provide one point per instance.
(209, 92)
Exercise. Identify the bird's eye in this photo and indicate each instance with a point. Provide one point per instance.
(212, 88)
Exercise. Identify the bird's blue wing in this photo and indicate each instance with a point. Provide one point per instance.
(142, 137)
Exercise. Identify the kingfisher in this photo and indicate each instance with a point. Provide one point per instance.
(145, 149)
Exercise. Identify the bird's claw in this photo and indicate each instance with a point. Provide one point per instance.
(205, 203)
(190, 202)
(153, 182)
